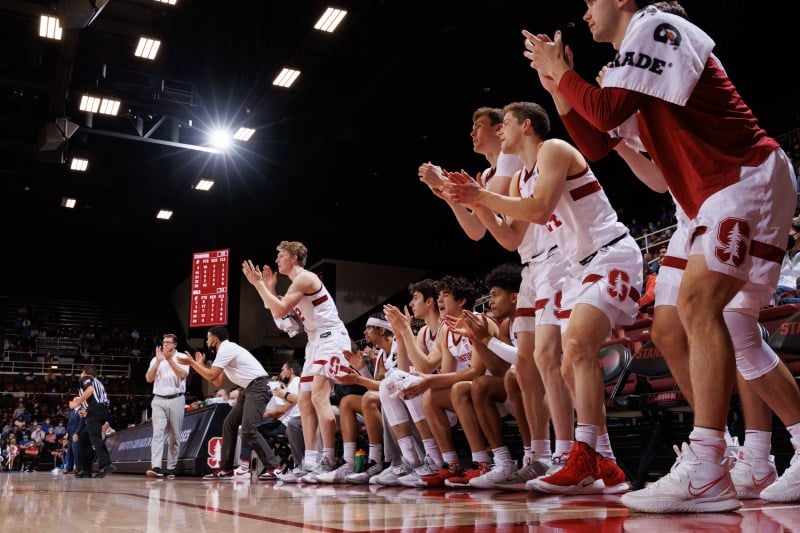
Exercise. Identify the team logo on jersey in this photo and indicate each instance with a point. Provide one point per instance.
(214, 452)
(667, 34)
(618, 284)
(733, 234)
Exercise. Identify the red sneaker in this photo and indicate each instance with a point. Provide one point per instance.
(437, 479)
(614, 481)
(463, 480)
(219, 475)
(580, 475)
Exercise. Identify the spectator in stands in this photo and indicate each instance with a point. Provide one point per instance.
(37, 435)
(168, 377)
(50, 438)
(30, 452)
(222, 395)
(648, 296)
(790, 268)
(233, 396)
(655, 264)
(60, 429)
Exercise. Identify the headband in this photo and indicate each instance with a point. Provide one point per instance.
(378, 323)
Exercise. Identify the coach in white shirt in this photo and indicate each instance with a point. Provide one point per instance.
(168, 377)
(244, 370)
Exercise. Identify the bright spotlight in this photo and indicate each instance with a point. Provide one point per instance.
(220, 139)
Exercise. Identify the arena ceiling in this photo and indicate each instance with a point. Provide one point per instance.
(333, 159)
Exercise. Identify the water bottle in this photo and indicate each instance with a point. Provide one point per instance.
(361, 460)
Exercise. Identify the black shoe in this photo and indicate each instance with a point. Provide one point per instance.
(155, 472)
(83, 473)
(170, 473)
(106, 470)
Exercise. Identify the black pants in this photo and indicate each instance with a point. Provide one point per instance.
(90, 439)
(249, 412)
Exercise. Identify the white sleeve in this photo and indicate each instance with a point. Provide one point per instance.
(504, 351)
(507, 165)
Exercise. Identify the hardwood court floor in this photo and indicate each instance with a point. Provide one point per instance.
(41, 502)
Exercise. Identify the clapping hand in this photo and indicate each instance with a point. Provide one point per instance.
(461, 188)
(199, 358)
(398, 319)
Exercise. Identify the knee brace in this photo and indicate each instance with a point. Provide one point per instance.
(754, 357)
(392, 407)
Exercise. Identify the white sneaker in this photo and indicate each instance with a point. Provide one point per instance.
(517, 480)
(695, 485)
(369, 470)
(321, 467)
(339, 475)
(752, 475)
(427, 468)
(498, 473)
(242, 471)
(787, 488)
(293, 476)
(390, 476)
(556, 463)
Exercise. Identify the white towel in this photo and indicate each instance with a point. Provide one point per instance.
(662, 55)
(290, 323)
(398, 381)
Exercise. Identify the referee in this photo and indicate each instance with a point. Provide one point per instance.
(94, 401)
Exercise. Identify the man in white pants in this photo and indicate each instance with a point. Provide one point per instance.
(168, 377)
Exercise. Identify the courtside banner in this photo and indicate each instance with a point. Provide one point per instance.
(200, 443)
(209, 302)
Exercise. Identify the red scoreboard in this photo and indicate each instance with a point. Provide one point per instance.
(209, 303)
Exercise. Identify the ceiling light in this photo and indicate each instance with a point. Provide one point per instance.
(79, 165)
(204, 185)
(95, 104)
(68, 202)
(170, 2)
(286, 78)
(220, 139)
(49, 28)
(147, 48)
(330, 19)
(164, 214)
(243, 134)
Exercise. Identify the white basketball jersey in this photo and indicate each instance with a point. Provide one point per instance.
(318, 312)
(461, 350)
(537, 239)
(389, 360)
(583, 220)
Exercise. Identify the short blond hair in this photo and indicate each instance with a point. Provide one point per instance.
(295, 248)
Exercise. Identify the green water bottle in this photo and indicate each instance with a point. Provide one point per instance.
(361, 460)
